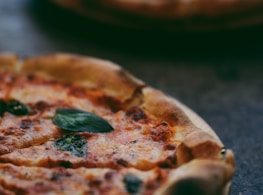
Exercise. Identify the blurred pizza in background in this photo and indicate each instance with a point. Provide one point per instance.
(172, 15)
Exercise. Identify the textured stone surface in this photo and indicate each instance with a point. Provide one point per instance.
(217, 74)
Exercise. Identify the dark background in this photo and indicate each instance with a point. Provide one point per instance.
(219, 74)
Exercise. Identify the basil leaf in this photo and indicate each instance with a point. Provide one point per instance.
(75, 144)
(79, 120)
(14, 107)
(2, 107)
(132, 183)
(17, 108)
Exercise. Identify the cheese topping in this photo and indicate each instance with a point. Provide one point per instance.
(137, 140)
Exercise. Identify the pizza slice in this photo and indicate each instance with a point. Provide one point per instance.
(66, 127)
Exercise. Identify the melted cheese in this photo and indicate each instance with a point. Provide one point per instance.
(35, 180)
(137, 143)
(133, 143)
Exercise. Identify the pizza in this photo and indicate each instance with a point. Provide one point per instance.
(179, 15)
(72, 124)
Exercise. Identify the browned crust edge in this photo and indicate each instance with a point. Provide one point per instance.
(86, 71)
(209, 159)
(199, 177)
(8, 61)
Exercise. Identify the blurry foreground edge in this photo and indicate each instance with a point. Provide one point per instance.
(170, 16)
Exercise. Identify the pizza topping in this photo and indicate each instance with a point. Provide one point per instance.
(14, 107)
(73, 143)
(30, 77)
(170, 146)
(26, 124)
(169, 162)
(109, 175)
(59, 175)
(161, 132)
(136, 113)
(17, 108)
(2, 107)
(122, 162)
(78, 120)
(40, 106)
(132, 183)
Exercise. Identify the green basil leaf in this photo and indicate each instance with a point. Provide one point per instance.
(132, 183)
(2, 107)
(14, 107)
(17, 108)
(75, 144)
(79, 120)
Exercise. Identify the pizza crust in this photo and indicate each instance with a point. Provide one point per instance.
(168, 8)
(199, 177)
(8, 61)
(202, 159)
(88, 72)
(181, 15)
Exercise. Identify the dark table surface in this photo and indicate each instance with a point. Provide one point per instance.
(218, 74)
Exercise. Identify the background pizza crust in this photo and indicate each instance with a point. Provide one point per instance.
(168, 15)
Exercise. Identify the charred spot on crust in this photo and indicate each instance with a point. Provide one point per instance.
(169, 162)
(30, 77)
(132, 183)
(136, 113)
(170, 146)
(95, 183)
(107, 101)
(122, 162)
(114, 104)
(160, 132)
